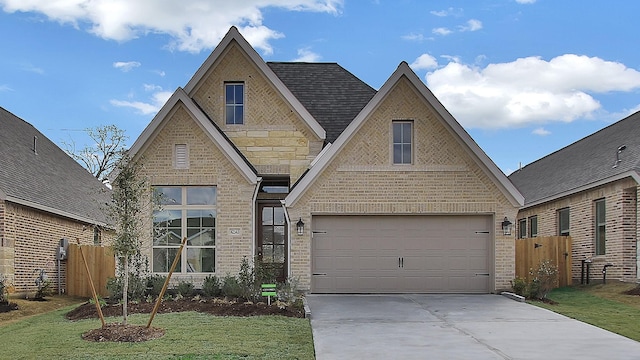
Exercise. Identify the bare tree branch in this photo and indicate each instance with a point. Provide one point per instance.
(101, 157)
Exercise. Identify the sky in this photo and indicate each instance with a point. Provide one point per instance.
(525, 78)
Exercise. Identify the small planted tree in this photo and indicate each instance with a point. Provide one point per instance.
(129, 202)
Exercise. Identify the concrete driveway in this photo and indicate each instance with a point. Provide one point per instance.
(453, 327)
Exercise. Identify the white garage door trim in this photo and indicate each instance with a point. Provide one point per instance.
(402, 254)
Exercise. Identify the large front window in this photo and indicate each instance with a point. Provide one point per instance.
(186, 212)
(600, 227)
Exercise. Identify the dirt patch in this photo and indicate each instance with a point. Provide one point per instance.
(123, 333)
(28, 307)
(8, 306)
(213, 306)
(635, 291)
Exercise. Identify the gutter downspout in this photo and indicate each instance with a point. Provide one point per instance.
(253, 218)
(288, 222)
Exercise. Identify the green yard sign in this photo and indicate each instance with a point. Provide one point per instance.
(268, 290)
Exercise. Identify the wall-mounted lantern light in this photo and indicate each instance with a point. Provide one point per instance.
(300, 227)
(506, 226)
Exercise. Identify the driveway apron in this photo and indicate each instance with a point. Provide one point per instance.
(453, 327)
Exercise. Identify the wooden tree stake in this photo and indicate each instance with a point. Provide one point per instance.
(93, 289)
(166, 282)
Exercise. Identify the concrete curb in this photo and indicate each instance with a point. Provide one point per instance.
(307, 309)
(513, 296)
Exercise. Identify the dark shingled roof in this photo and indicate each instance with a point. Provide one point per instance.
(582, 163)
(331, 94)
(49, 178)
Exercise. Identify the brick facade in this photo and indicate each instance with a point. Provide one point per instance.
(621, 228)
(30, 238)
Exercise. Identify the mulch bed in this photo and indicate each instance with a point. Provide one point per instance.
(634, 291)
(134, 333)
(8, 306)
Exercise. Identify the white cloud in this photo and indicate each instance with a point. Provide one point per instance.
(126, 66)
(528, 90)
(145, 108)
(306, 55)
(448, 12)
(151, 87)
(541, 131)
(193, 25)
(441, 31)
(525, 1)
(424, 61)
(472, 25)
(4, 88)
(413, 37)
(32, 68)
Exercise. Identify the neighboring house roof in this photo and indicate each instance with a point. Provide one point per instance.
(589, 162)
(403, 70)
(47, 178)
(234, 35)
(330, 93)
(207, 125)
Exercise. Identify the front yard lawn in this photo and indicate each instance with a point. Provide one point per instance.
(189, 335)
(604, 306)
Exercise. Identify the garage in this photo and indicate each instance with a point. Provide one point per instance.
(402, 254)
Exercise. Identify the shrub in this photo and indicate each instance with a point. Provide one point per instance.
(288, 291)
(185, 288)
(155, 283)
(519, 286)
(4, 290)
(543, 279)
(211, 286)
(137, 288)
(43, 285)
(231, 287)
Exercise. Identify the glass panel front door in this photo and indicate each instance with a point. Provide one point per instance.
(272, 239)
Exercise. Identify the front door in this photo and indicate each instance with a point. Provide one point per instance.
(272, 239)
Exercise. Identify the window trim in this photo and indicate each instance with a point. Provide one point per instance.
(411, 142)
(600, 245)
(184, 208)
(235, 104)
(522, 228)
(561, 231)
(533, 220)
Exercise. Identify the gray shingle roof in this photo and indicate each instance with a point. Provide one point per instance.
(587, 161)
(48, 179)
(331, 94)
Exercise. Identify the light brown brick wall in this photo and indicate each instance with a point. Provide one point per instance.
(31, 238)
(621, 228)
(273, 137)
(442, 180)
(208, 166)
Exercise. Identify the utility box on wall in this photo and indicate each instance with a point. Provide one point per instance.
(63, 246)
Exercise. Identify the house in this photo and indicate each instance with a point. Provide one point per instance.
(45, 196)
(344, 188)
(588, 190)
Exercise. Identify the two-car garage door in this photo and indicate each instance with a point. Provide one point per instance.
(402, 254)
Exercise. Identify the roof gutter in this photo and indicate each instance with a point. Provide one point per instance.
(51, 210)
(632, 174)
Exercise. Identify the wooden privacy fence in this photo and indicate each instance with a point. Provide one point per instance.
(102, 265)
(531, 251)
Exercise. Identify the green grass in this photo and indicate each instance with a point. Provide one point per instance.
(594, 306)
(189, 335)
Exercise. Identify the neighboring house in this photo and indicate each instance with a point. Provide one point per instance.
(341, 187)
(44, 196)
(588, 190)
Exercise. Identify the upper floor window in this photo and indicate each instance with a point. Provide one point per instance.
(533, 226)
(563, 222)
(234, 103)
(522, 228)
(600, 224)
(402, 142)
(187, 211)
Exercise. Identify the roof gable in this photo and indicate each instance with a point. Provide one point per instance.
(403, 71)
(589, 162)
(180, 97)
(234, 36)
(46, 178)
(329, 92)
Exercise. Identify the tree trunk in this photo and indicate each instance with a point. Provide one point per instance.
(125, 290)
